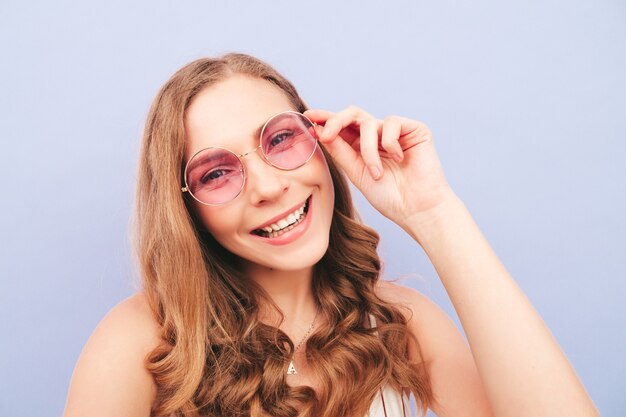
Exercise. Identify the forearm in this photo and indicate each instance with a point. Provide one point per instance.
(521, 365)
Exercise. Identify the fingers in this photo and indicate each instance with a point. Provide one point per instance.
(364, 134)
(336, 122)
(369, 147)
(337, 125)
(392, 129)
(318, 115)
(346, 156)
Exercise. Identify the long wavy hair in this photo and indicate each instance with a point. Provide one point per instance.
(216, 358)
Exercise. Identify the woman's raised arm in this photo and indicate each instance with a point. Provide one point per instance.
(394, 164)
(521, 365)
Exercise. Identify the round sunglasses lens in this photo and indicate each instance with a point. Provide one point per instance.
(214, 176)
(288, 140)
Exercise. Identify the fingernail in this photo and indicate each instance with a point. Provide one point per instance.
(325, 132)
(397, 158)
(375, 172)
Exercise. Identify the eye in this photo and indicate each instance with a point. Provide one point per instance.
(280, 138)
(215, 176)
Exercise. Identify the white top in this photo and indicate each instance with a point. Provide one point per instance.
(388, 402)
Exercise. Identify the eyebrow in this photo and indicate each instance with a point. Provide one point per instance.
(205, 160)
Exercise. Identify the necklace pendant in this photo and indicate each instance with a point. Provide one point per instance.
(292, 369)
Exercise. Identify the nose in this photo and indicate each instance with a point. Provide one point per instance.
(264, 182)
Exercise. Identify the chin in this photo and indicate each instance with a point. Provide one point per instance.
(298, 260)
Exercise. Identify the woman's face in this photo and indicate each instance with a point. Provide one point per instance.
(230, 114)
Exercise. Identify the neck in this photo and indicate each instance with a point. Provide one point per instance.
(291, 291)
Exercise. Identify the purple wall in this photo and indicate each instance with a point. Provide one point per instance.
(526, 101)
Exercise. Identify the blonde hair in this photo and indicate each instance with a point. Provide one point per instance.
(216, 358)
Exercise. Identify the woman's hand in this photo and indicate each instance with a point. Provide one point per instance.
(393, 162)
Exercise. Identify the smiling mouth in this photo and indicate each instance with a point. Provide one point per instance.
(286, 224)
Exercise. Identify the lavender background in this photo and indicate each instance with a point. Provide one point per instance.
(527, 102)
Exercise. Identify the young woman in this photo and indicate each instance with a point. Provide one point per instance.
(261, 293)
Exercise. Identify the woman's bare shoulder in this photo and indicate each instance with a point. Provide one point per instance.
(426, 320)
(130, 324)
(412, 300)
(110, 377)
(135, 310)
(452, 371)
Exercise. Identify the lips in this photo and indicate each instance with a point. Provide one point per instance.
(283, 222)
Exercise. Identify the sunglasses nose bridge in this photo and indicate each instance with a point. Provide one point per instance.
(258, 166)
(243, 155)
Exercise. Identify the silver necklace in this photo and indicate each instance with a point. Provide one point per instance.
(291, 370)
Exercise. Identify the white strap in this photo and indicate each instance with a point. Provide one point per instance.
(382, 394)
(380, 390)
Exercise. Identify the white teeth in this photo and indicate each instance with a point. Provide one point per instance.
(286, 223)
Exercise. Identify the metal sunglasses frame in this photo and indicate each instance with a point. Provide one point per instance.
(185, 188)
